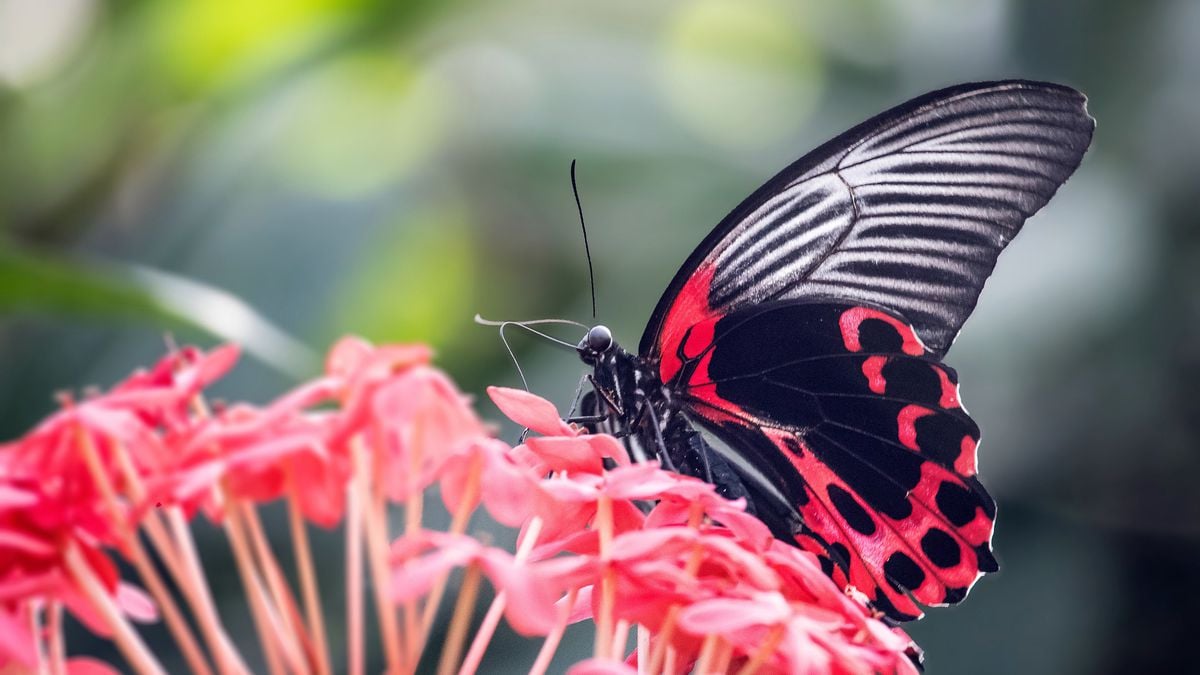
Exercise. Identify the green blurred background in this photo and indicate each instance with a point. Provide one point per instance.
(283, 172)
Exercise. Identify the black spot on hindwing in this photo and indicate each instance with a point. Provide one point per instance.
(851, 510)
(955, 595)
(880, 473)
(841, 553)
(940, 437)
(913, 380)
(877, 335)
(956, 503)
(903, 570)
(987, 561)
(940, 548)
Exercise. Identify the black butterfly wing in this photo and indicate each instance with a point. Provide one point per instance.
(838, 414)
(895, 225)
(907, 211)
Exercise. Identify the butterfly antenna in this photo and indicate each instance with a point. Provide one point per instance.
(586, 249)
(513, 356)
(528, 326)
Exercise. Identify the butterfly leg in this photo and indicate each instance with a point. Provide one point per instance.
(660, 446)
(577, 399)
(586, 420)
(599, 414)
(589, 413)
(595, 422)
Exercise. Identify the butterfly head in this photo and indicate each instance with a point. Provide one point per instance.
(595, 344)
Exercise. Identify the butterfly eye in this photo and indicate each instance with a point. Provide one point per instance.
(599, 339)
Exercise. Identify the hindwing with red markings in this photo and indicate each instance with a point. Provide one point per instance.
(868, 426)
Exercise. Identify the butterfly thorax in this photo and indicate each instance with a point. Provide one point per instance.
(628, 399)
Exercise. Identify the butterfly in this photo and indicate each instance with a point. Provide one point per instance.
(805, 335)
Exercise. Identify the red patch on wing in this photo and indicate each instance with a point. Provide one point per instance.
(907, 423)
(852, 319)
(949, 390)
(702, 389)
(699, 338)
(965, 464)
(976, 532)
(689, 310)
(873, 369)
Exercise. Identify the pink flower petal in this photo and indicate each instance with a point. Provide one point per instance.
(509, 492)
(643, 481)
(571, 454)
(607, 446)
(626, 517)
(415, 577)
(507, 489)
(732, 515)
(215, 364)
(16, 642)
(309, 394)
(752, 531)
(16, 542)
(648, 543)
(578, 488)
(577, 454)
(742, 564)
(197, 480)
(563, 518)
(85, 612)
(569, 571)
(352, 355)
(347, 356)
(420, 419)
(581, 542)
(456, 476)
(530, 411)
(725, 615)
(16, 498)
(582, 609)
(531, 599)
(44, 582)
(136, 604)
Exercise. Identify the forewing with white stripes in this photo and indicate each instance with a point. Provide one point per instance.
(907, 212)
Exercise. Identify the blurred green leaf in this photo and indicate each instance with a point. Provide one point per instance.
(359, 125)
(416, 283)
(30, 282)
(205, 44)
(740, 73)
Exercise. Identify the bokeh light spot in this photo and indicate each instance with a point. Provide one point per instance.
(210, 43)
(416, 280)
(739, 74)
(359, 126)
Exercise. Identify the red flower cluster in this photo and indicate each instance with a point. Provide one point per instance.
(702, 584)
(707, 585)
(63, 504)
